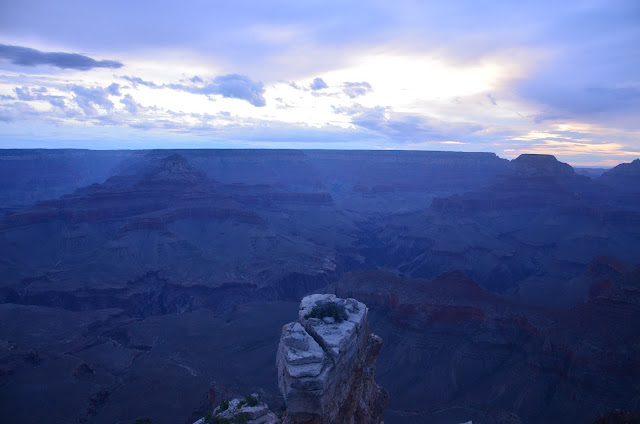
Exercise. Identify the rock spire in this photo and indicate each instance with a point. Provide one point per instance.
(326, 364)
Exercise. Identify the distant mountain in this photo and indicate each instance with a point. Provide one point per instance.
(169, 228)
(531, 165)
(29, 176)
(529, 234)
(623, 184)
(623, 176)
(363, 181)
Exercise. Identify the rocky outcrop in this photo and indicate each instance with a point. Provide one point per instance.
(622, 173)
(326, 364)
(533, 165)
(248, 410)
(623, 180)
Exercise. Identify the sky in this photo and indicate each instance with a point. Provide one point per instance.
(510, 77)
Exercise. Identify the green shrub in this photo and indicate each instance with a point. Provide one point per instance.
(224, 405)
(333, 310)
(214, 419)
(242, 418)
(242, 403)
(251, 400)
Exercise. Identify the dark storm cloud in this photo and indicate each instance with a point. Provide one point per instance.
(318, 84)
(25, 56)
(357, 89)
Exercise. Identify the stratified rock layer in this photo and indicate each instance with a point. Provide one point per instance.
(326, 368)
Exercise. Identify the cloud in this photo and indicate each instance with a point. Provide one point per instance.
(25, 56)
(318, 84)
(573, 62)
(19, 111)
(574, 100)
(357, 89)
(130, 105)
(139, 81)
(234, 86)
(403, 127)
(114, 89)
(38, 93)
(30, 93)
(88, 98)
(237, 86)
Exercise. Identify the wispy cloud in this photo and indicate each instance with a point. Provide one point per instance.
(233, 86)
(357, 89)
(406, 127)
(38, 93)
(25, 56)
(139, 81)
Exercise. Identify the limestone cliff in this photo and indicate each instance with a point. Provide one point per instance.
(326, 364)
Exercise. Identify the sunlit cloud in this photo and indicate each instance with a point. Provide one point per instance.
(576, 148)
(536, 135)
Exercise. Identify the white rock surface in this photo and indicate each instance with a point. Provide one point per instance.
(326, 366)
(259, 414)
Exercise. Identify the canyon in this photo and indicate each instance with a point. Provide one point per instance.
(140, 283)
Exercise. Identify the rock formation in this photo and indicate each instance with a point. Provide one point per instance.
(453, 346)
(326, 364)
(248, 410)
(533, 165)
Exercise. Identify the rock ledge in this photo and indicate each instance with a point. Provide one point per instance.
(326, 364)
